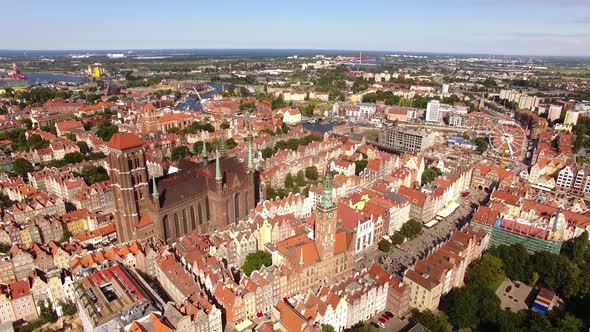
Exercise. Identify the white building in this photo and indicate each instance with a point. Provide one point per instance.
(432, 111)
(554, 112)
(571, 118)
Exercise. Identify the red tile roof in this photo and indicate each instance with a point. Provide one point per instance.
(124, 141)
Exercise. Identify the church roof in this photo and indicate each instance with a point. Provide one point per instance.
(194, 179)
(124, 141)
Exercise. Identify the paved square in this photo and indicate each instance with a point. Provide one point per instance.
(513, 295)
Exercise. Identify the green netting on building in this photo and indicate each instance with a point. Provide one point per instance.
(499, 236)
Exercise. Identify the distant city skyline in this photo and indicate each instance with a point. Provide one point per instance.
(521, 27)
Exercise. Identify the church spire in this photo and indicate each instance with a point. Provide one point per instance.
(204, 154)
(155, 192)
(217, 167)
(250, 161)
(222, 145)
(327, 200)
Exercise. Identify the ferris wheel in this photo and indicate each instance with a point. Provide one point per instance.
(508, 140)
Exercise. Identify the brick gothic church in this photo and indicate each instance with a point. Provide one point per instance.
(202, 197)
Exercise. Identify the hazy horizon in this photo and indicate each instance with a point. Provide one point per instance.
(502, 27)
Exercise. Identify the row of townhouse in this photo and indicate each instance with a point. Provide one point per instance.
(385, 214)
(380, 167)
(234, 244)
(181, 286)
(56, 151)
(315, 154)
(240, 302)
(41, 229)
(295, 204)
(20, 263)
(347, 305)
(37, 204)
(443, 269)
(95, 197)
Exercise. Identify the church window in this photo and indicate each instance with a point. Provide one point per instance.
(176, 224)
(236, 206)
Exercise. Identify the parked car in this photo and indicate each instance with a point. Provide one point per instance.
(382, 325)
(374, 324)
(388, 313)
(382, 320)
(384, 316)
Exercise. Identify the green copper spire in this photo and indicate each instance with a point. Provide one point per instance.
(217, 167)
(327, 200)
(155, 192)
(250, 160)
(222, 147)
(204, 151)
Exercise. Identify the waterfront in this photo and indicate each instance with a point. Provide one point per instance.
(319, 127)
(191, 102)
(45, 78)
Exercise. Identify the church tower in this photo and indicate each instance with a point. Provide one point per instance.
(150, 118)
(129, 178)
(326, 222)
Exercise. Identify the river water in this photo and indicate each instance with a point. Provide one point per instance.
(43, 78)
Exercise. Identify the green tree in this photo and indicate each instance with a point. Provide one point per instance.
(328, 328)
(487, 272)
(300, 179)
(397, 238)
(289, 182)
(482, 144)
(65, 237)
(462, 310)
(94, 174)
(83, 146)
(230, 143)
(4, 247)
(255, 261)
(366, 327)
(106, 130)
(569, 323)
(517, 264)
(429, 174)
(430, 320)
(311, 173)
(224, 125)
(46, 313)
(360, 166)
(71, 137)
(384, 245)
(22, 167)
(284, 128)
(576, 248)
(180, 152)
(411, 229)
(73, 158)
(68, 309)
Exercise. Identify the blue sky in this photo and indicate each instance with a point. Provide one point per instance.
(544, 27)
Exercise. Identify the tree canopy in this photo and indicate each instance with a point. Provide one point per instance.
(106, 130)
(255, 261)
(411, 229)
(429, 174)
(180, 152)
(22, 167)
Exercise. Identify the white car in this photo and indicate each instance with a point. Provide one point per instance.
(381, 324)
